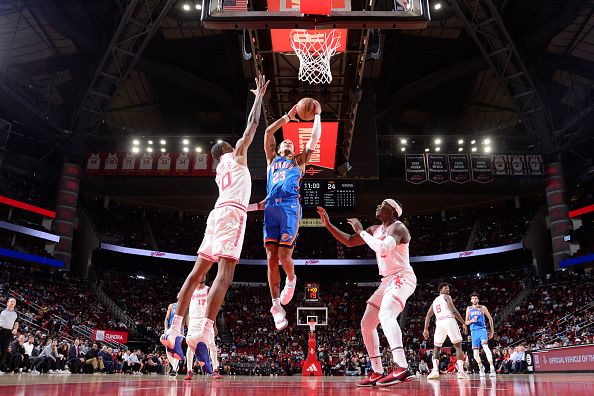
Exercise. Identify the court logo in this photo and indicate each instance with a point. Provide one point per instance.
(100, 335)
(312, 367)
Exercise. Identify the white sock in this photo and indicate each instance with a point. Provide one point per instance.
(291, 282)
(400, 357)
(376, 364)
(276, 302)
(435, 365)
(189, 359)
(489, 354)
(177, 323)
(460, 366)
(214, 356)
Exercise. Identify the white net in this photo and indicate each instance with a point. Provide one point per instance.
(312, 325)
(314, 49)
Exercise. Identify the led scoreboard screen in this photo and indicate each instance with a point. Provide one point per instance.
(312, 292)
(331, 194)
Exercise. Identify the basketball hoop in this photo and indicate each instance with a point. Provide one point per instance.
(312, 325)
(314, 50)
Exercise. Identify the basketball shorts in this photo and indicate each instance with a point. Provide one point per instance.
(225, 230)
(398, 287)
(479, 336)
(446, 328)
(281, 223)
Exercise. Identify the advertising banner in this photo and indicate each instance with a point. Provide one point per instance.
(110, 336)
(577, 358)
(324, 154)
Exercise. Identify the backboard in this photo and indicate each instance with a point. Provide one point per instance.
(306, 314)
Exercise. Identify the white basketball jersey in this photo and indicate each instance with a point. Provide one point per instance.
(198, 302)
(394, 261)
(234, 182)
(441, 308)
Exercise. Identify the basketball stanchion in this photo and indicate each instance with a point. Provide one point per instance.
(312, 366)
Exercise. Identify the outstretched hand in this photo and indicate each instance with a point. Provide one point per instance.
(292, 114)
(323, 216)
(356, 224)
(261, 85)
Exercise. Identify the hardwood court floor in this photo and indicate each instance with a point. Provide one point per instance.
(127, 385)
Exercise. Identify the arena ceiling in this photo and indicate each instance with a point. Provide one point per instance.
(193, 81)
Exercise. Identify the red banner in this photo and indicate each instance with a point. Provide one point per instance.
(110, 336)
(325, 153)
(578, 358)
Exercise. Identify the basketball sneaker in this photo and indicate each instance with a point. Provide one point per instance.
(198, 343)
(279, 316)
(173, 343)
(205, 365)
(481, 371)
(217, 375)
(371, 379)
(462, 375)
(434, 374)
(189, 376)
(398, 375)
(492, 372)
(288, 291)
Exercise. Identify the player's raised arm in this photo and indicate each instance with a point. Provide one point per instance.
(397, 233)
(269, 140)
(454, 309)
(342, 237)
(244, 142)
(316, 133)
(488, 315)
(430, 313)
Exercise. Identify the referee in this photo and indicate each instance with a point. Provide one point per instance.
(8, 328)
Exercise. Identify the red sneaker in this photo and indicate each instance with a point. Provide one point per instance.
(216, 375)
(189, 376)
(398, 375)
(371, 379)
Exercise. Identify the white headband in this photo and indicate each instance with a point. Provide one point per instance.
(395, 205)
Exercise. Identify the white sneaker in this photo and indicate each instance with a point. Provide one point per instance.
(50, 371)
(481, 371)
(462, 375)
(288, 291)
(433, 375)
(34, 372)
(492, 373)
(278, 314)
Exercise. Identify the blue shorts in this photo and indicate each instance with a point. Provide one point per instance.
(281, 223)
(479, 336)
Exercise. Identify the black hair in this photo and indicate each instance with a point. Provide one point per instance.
(217, 150)
(475, 293)
(442, 285)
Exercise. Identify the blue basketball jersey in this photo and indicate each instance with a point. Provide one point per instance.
(283, 179)
(171, 314)
(476, 313)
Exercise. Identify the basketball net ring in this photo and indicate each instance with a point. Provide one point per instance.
(312, 325)
(314, 51)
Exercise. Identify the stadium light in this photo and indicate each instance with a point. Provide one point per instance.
(487, 149)
(163, 141)
(460, 149)
(198, 6)
(438, 141)
(437, 149)
(487, 141)
(149, 150)
(198, 149)
(220, 141)
(437, 6)
(186, 149)
(426, 150)
(460, 141)
(473, 150)
(186, 141)
(136, 142)
(135, 150)
(150, 142)
(186, 7)
(473, 141)
(402, 148)
(402, 141)
(163, 149)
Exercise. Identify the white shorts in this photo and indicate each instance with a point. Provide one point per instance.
(195, 325)
(225, 230)
(400, 286)
(446, 328)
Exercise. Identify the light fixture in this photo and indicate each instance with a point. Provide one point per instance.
(426, 150)
(487, 149)
(185, 141)
(163, 141)
(135, 150)
(460, 141)
(437, 6)
(402, 148)
(198, 149)
(460, 149)
(487, 141)
(186, 149)
(198, 6)
(149, 150)
(136, 142)
(437, 149)
(472, 141)
(438, 141)
(473, 150)
(219, 141)
(402, 141)
(150, 142)
(186, 7)
(163, 149)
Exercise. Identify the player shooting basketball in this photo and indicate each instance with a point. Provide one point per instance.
(223, 238)
(282, 212)
(390, 242)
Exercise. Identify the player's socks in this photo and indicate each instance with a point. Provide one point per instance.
(460, 367)
(436, 365)
(376, 364)
(275, 302)
(400, 357)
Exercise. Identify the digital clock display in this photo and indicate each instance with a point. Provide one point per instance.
(312, 292)
(333, 194)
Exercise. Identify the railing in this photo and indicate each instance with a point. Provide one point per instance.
(110, 304)
(504, 313)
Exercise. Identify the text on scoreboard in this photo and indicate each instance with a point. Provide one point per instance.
(338, 194)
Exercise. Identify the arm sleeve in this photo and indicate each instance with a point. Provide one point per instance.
(377, 245)
(316, 133)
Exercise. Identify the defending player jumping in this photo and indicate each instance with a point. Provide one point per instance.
(475, 318)
(282, 212)
(446, 315)
(390, 242)
(223, 238)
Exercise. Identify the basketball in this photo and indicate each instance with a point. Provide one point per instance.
(306, 109)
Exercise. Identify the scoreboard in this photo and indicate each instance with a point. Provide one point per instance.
(331, 194)
(312, 292)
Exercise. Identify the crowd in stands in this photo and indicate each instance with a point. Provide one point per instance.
(22, 187)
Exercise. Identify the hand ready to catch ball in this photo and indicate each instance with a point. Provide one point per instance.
(307, 108)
